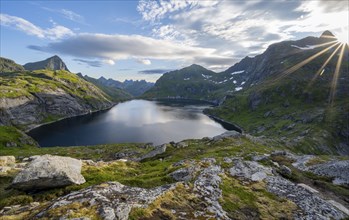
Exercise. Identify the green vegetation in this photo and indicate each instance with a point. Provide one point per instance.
(304, 121)
(98, 152)
(11, 138)
(7, 65)
(25, 83)
(253, 201)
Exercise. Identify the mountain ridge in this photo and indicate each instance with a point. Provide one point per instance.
(277, 93)
(134, 87)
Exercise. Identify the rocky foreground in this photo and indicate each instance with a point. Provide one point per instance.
(230, 176)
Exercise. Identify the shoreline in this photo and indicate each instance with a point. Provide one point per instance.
(235, 127)
(182, 99)
(91, 112)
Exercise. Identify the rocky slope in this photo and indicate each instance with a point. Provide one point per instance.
(230, 176)
(31, 98)
(52, 63)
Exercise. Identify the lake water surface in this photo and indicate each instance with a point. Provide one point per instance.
(133, 121)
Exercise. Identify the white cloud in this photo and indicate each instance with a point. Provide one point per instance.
(72, 15)
(144, 61)
(118, 47)
(68, 14)
(110, 62)
(54, 33)
(246, 27)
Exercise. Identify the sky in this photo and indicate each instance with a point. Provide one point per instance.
(144, 39)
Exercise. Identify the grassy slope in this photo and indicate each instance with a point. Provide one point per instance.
(15, 138)
(17, 84)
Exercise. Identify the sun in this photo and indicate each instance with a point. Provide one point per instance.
(343, 35)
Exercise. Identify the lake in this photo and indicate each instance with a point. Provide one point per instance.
(133, 121)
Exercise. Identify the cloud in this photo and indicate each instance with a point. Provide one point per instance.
(241, 28)
(72, 15)
(144, 61)
(93, 63)
(118, 47)
(68, 14)
(154, 71)
(109, 61)
(54, 33)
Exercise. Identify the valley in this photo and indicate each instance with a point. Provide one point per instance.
(108, 149)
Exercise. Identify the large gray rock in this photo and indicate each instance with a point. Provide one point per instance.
(113, 200)
(249, 170)
(157, 150)
(49, 172)
(185, 174)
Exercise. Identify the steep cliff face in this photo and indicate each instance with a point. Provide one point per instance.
(31, 98)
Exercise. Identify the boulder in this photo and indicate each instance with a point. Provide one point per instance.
(49, 172)
(285, 171)
(184, 174)
(7, 160)
(157, 150)
(249, 170)
(227, 134)
(181, 144)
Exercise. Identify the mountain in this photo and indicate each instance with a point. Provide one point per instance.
(134, 87)
(286, 92)
(7, 65)
(52, 63)
(30, 98)
(115, 93)
(292, 93)
(193, 82)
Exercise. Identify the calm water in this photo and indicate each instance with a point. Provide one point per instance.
(132, 121)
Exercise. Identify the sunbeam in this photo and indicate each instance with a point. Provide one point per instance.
(336, 75)
(304, 62)
(322, 68)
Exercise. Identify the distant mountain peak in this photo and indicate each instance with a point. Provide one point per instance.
(327, 34)
(195, 65)
(51, 63)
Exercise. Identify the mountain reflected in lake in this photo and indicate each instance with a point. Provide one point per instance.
(132, 121)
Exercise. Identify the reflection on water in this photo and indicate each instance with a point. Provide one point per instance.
(133, 121)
